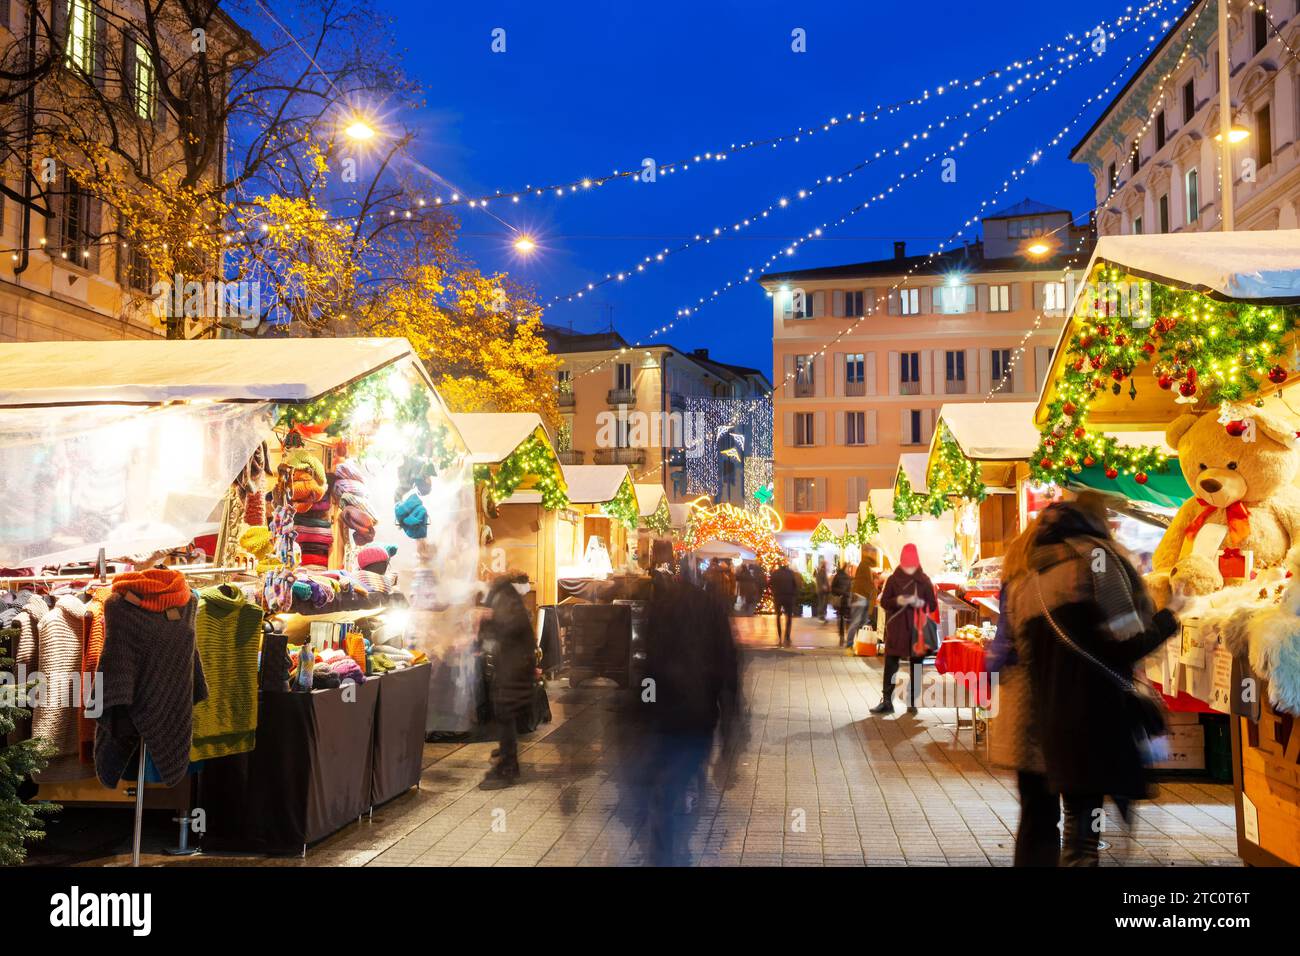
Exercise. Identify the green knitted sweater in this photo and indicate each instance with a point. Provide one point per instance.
(228, 633)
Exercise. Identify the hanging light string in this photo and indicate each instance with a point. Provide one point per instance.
(786, 200)
(790, 250)
(802, 133)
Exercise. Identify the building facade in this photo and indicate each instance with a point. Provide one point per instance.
(630, 405)
(1156, 161)
(864, 355)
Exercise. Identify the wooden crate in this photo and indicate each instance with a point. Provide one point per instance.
(1267, 771)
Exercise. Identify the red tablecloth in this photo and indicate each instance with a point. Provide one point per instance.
(966, 660)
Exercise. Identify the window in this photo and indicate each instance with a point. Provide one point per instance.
(912, 431)
(1135, 162)
(909, 373)
(855, 428)
(1164, 213)
(855, 374)
(803, 376)
(955, 371)
(853, 305)
(1054, 297)
(1025, 228)
(1189, 101)
(805, 494)
(79, 45)
(804, 433)
(140, 81)
(74, 226)
(1001, 364)
(1264, 136)
(1261, 28)
(1161, 131)
(1137, 226)
(954, 299)
(1193, 194)
(909, 301)
(793, 304)
(139, 270)
(1112, 177)
(623, 376)
(999, 298)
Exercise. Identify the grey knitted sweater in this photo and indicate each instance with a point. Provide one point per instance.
(152, 680)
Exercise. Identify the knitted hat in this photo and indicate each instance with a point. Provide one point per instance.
(375, 554)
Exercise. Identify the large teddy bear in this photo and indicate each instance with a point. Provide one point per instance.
(1242, 475)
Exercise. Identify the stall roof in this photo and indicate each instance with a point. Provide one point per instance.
(492, 436)
(1254, 266)
(594, 484)
(679, 513)
(648, 497)
(990, 431)
(154, 372)
(916, 466)
(882, 502)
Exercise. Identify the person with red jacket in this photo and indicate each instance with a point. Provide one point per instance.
(907, 594)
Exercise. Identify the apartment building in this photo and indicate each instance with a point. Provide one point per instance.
(1163, 166)
(864, 355)
(616, 399)
(65, 274)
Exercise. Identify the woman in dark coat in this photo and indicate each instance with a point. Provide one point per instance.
(1085, 618)
(907, 591)
(511, 650)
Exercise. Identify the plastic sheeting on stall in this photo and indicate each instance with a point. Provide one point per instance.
(125, 479)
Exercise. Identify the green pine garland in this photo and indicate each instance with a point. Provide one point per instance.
(624, 506)
(820, 535)
(660, 522)
(1199, 348)
(908, 502)
(20, 822)
(533, 458)
(953, 475)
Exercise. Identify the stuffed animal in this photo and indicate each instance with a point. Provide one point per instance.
(1242, 474)
(1273, 639)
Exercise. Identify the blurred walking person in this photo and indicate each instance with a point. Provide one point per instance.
(785, 594)
(822, 582)
(510, 649)
(1085, 618)
(862, 598)
(841, 590)
(908, 598)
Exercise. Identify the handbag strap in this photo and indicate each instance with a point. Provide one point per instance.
(1124, 684)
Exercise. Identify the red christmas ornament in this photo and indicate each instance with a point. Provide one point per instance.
(1112, 474)
(1080, 432)
(1235, 428)
(1149, 348)
(1121, 340)
(1089, 461)
(1117, 374)
(1085, 341)
(1078, 364)
(1098, 361)
(1068, 409)
(1187, 389)
(1068, 461)
(1165, 382)
(1098, 385)
(1277, 375)
(1140, 477)
(1103, 330)
(1045, 463)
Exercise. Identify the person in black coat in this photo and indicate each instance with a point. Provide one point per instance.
(510, 650)
(907, 595)
(1085, 617)
(841, 589)
(785, 594)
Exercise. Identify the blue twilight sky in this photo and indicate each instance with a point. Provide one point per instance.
(586, 87)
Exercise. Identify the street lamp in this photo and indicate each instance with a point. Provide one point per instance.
(525, 244)
(359, 131)
(1038, 249)
(1235, 135)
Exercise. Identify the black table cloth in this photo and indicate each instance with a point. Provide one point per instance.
(400, 713)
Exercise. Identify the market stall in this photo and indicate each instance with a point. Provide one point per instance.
(344, 554)
(606, 499)
(1196, 334)
(909, 515)
(654, 545)
(525, 522)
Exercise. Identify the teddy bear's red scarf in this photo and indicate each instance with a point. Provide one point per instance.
(1238, 520)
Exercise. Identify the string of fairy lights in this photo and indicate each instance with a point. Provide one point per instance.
(930, 160)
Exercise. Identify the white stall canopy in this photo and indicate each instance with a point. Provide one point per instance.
(991, 431)
(131, 446)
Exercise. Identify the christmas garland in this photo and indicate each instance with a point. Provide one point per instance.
(624, 506)
(533, 458)
(868, 525)
(660, 522)
(953, 475)
(908, 502)
(1206, 351)
(820, 535)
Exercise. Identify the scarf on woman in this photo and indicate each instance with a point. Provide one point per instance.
(156, 589)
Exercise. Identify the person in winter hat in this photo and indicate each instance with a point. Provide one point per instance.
(906, 594)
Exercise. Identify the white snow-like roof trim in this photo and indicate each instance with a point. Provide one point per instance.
(915, 465)
(157, 371)
(1254, 266)
(648, 497)
(594, 484)
(991, 431)
(493, 436)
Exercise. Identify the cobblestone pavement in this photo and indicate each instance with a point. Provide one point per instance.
(820, 783)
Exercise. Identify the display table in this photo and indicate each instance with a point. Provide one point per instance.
(965, 660)
(309, 775)
(400, 713)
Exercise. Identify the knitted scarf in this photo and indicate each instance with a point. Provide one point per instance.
(157, 588)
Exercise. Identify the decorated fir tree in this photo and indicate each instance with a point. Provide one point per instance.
(19, 820)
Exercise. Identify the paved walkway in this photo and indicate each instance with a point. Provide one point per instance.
(821, 782)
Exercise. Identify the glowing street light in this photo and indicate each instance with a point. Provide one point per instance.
(1038, 249)
(359, 131)
(1235, 135)
(525, 244)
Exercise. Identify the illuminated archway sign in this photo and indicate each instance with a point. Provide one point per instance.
(754, 530)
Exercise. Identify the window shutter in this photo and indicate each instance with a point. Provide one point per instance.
(59, 27)
(839, 427)
(819, 428)
(869, 363)
(1017, 373)
(927, 372)
(893, 302)
(819, 494)
(972, 298)
(837, 304)
(1042, 361)
(986, 369)
(819, 375)
(818, 305)
(787, 429)
(128, 64)
(927, 425)
(1039, 296)
(905, 426)
(893, 373)
(940, 371)
(100, 64)
(982, 298)
(924, 298)
(788, 378)
(870, 301)
(839, 373)
(94, 229)
(972, 371)
(851, 494)
(869, 419)
(789, 494)
(1015, 296)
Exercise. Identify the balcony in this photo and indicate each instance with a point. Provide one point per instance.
(621, 396)
(564, 399)
(954, 386)
(909, 388)
(569, 457)
(620, 456)
(856, 388)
